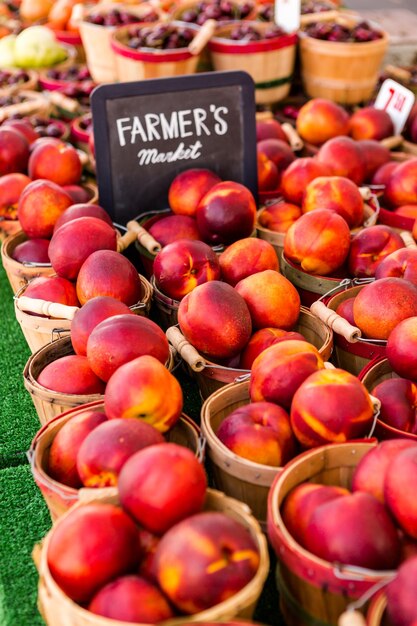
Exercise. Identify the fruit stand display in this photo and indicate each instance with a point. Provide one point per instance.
(194, 425)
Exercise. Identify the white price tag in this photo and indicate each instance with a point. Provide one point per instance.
(287, 14)
(397, 101)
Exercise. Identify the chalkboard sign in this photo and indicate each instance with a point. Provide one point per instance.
(146, 132)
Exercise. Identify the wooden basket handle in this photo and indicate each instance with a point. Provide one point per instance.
(336, 322)
(351, 618)
(408, 239)
(88, 494)
(293, 137)
(185, 349)
(144, 238)
(205, 33)
(366, 193)
(43, 307)
(400, 73)
(395, 141)
(64, 102)
(125, 240)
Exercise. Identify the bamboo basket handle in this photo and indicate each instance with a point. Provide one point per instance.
(336, 322)
(185, 349)
(43, 307)
(408, 239)
(144, 238)
(205, 33)
(125, 240)
(293, 137)
(351, 618)
(395, 141)
(400, 73)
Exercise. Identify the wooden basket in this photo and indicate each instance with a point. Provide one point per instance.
(346, 72)
(19, 274)
(210, 376)
(166, 308)
(96, 40)
(313, 590)
(270, 62)
(240, 478)
(376, 614)
(59, 497)
(40, 330)
(32, 102)
(372, 374)
(49, 404)
(275, 238)
(58, 610)
(145, 63)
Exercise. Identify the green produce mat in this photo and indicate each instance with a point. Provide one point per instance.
(24, 517)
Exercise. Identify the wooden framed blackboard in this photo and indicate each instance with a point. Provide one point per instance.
(146, 132)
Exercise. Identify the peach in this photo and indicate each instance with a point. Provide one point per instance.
(381, 305)
(14, 151)
(161, 485)
(32, 251)
(279, 370)
(58, 162)
(278, 151)
(345, 158)
(279, 216)
(62, 460)
(401, 187)
(271, 298)
(399, 490)
(39, 207)
(398, 398)
(401, 595)
(330, 406)
(52, 289)
(182, 265)
(383, 173)
(320, 119)
(24, 126)
(345, 309)
(259, 432)
(174, 227)
(401, 348)
(215, 319)
(11, 187)
(300, 504)
(297, 176)
(370, 473)
(375, 155)
(79, 194)
(354, 530)
(401, 263)
(131, 599)
(261, 340)
(208, 551)
(246, 257)
(83, 210)
(318, 241)
(122, 338)
(148, 543)
(335, 193)
(268, 175)
(188, 188)
(105, 450)
(108, 273)
(74, 241)
(89, 547)
(226, 213)
(370, 123)
(70, 374)
(144, 389)
(369, 247)
(269, 129)
(88, 316)
(407, 210)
